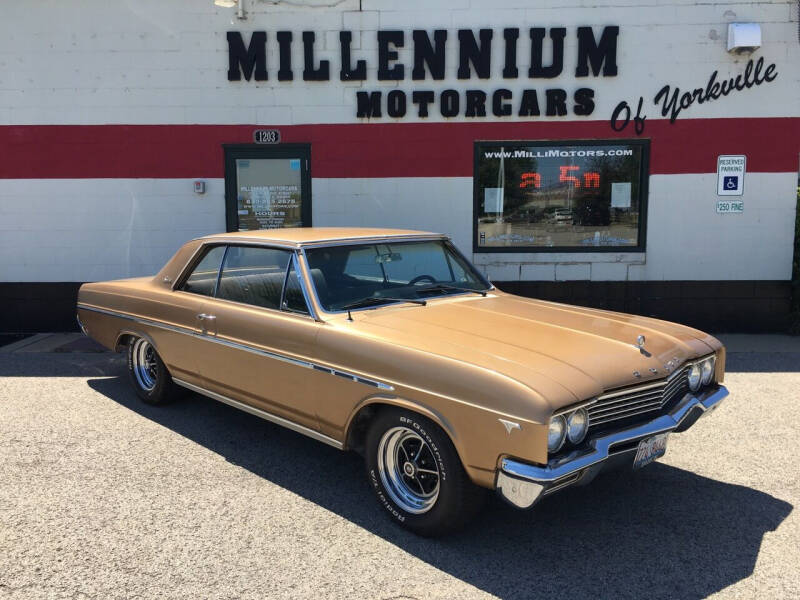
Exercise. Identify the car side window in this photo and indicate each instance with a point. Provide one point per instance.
(253, 275)
(203, 278)
(293, 299)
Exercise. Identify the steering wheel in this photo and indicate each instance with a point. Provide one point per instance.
(420, 278)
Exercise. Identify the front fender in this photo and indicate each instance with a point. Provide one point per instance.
(479, 435)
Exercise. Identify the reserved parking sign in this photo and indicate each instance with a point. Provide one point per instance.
(730, 175)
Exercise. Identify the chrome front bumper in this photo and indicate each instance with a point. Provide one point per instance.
(522, 484)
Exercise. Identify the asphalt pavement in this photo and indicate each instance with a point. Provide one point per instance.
(102, 496)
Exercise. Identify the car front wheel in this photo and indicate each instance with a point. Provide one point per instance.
(417, 475)
(148, 374)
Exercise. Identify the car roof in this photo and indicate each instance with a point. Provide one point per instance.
(300, 236)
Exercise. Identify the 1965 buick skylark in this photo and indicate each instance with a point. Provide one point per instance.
(392, 344)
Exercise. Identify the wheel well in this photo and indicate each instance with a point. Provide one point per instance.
(359, 426)
(357, 433)
(123, 341)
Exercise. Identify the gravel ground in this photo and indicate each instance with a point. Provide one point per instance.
(102, 496)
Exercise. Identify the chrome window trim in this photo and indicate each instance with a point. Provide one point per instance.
(184, 272)
(219, 272)
(372, 240)
(246, 347)
(246, 241)
(293, 253)
(320, 437)
(190, 266)
(232, 238)
(300, 270)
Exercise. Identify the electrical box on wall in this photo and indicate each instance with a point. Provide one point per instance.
(199, 187)
(744, 37)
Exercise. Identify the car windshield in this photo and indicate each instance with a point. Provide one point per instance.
(362, 274)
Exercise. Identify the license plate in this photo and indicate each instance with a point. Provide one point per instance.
(650, 449)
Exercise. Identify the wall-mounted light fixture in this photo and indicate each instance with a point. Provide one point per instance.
(230, 4)
(744, 37)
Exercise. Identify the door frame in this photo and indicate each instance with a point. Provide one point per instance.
(260, 151)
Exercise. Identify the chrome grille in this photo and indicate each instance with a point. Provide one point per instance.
(634, 401)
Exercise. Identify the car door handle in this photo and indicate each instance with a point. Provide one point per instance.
(205, 317)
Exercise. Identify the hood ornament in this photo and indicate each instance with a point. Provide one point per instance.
(510, 425)
(640, 340)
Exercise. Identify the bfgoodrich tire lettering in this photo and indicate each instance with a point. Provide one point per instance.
(148, 374)
(417, 474)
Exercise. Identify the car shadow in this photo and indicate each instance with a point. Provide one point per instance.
(660, 533)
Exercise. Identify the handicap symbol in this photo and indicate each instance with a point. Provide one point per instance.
(731, 182)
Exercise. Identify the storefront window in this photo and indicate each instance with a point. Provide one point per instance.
(560, 196)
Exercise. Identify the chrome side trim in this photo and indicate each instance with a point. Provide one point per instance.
(603, 447)
(245, 347)
(140, 320)
(253, 350)
(80, 324)
(262, 414)
(357, 378)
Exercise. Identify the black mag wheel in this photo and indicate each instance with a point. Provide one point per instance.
(417, 474)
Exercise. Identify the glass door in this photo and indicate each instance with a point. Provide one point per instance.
(267, 187)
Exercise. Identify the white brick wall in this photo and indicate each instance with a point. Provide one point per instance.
(93, 61)
(154, 62)
(85, 230)
(75, 230)
(686, 238)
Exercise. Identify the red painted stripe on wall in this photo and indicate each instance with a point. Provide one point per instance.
(374, 149)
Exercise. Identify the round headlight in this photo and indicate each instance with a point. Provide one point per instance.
(556, 433)
(707, 368)
(695, 375)
(577, 424)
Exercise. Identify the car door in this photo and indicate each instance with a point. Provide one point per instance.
(179, 337)
(263, 334)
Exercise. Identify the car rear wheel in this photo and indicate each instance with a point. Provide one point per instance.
(148, 374)
(417, 475)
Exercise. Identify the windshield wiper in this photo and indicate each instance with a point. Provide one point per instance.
(448, 287)
(373, 300)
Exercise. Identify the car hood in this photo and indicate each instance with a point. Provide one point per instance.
(565, 353)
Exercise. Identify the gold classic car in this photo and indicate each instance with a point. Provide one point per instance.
(390, 343)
